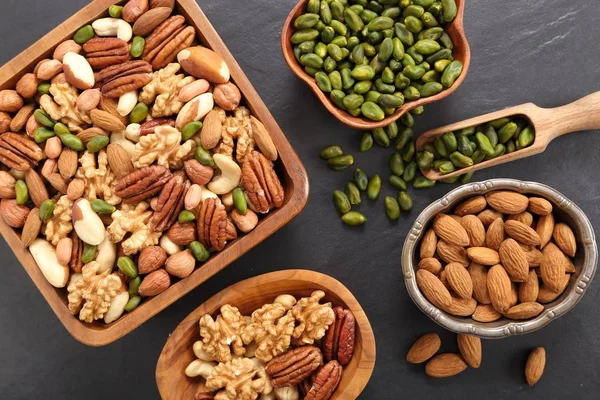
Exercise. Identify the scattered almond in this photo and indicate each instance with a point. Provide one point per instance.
(119, 161)
(67, 163)
(495, 234)
(424, 348)
(470, 349)
(534, 369)
(263, 139)
(37, 189)
(445, 365)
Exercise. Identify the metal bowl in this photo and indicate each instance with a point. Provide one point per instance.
(585, 260)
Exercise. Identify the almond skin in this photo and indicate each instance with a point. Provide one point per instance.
(545, 229)
(459, 280)
(529, 290)
(483, 255)
(432, 265)
(210, 135)
(461, 307)
(552, 267)
(486, 313)
(424, 348)
(514, 261)
(448, 229)
(452, 253)
(155, 283)
(525, 218)
(534, 369)
(475, 230)
(507, 202)
(495, 234)
(428, 244)
(119, 161)
(489, 216)
(499, 288)
(148, 21)
(263, 139)
(522, 233)
(445, 365)
(525, 311)
(547, 295)
(433, 289)
(539, 206)
(106, 121)
(32, 227)
(533, 255)
(565, 239)
(479, 278)
(470, 349)
(37, 189)
(473, 205)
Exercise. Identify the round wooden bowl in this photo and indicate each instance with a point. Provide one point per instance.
(461, 52)
(248, 296)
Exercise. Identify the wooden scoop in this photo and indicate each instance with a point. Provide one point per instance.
(549, 123)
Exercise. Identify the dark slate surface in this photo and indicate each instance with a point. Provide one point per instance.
(543, 51)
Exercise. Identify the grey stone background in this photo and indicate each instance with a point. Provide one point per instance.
(541, 51)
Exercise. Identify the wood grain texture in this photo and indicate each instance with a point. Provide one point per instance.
(289, 168)
(461, 52)
(549, 123)
(248, 296)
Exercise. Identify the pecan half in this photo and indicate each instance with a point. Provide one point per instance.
(212, 224)
(182, 234)
(19, 151)
(168, 39)
(231, 230)
(260, 182)
(142, 183)
(122, 78)
(305, 386)
(325, 381)
(148, 127)
(103, 52)
(339, 339)
(170, 202)
(75, 263)
(294, 366)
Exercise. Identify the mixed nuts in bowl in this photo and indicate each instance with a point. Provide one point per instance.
(499, 258)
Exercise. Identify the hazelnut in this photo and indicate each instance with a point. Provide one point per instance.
(181, 264)
(244, 223)
(64, 48)
(75, 189)
(198, 173)
(49, 69)
(227, 96)
(182, 234)
(193, 197)
(53, 147)
(155, 283)
(150, 259)
(7, 185)
(50, 167)
(10, 101)
(27, 86)
(5, 120)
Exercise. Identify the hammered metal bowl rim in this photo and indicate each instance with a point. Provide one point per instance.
(573, 293)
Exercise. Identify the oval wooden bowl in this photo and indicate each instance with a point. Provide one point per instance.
(248, 296)
(461, 52)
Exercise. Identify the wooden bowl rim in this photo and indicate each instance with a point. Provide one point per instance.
(366, 364)
(362, 123)
(98, 334)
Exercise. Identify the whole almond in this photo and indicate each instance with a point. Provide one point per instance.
(473, 205)
(507, 202)
(150, 20)
(88, 100)
(459, 280)
(20, 119)
(565, 239)
(539, 206)
(110, 106)
(53, 147)
(444, 280)
(119, 161)
(7, 185)
(88, 134)
(431, 264)
(10, 101)
(27, 86)
(57, 182)
(181, 264)
(155, 283)
(445, 365)
(486, 313)
(162, 3)
(106, 121)
(552, 267)
(134, 9)
(244, 223)
(514, 293)
(64, 250)
(31, 126)
(50, 167)
(449, 230)
(14, 214)
(461, 307)
(524, 311)
(32, 227)
(210, 135)
(193, 197)
(449, 252)
(499, 288)
(49, 69)
(475, 230)
(483, 255)
(495, 234)
(75, 189)
(534, 369)
(193, 89)
(198, 173)
(263, 139)
(547, 294)
(67, 163)
(227, 96)
(433, 289)
(528, 290)
(513, 260)
(151, 258)
(428, 244)
(470, 349)
(489, 216)
(479, 278)
(424, 348)
(64, 48)
(545, 228)
(525, 218)
(36, 187)
(522, 233)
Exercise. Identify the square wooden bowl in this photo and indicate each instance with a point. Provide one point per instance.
(289, 168)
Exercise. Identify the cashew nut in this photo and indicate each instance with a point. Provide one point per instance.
(207, 194)
(198, 348)
(227, 200)
(229, 179)
(127, 102)
(286, 300)
(120, 139)
(107, 254)
(45, 256)
(168, 246)
(200, 368)
(132, 132)
(113, 27)
(287, 393)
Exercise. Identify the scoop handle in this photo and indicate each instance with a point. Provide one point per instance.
(581, 115)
